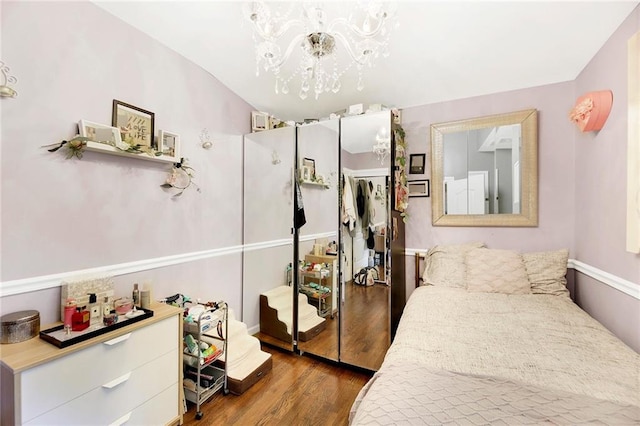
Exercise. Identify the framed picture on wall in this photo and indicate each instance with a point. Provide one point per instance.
(418, 188)
(168, 144)
(416, 164)
(260, 121)
(135, 124)
(311, 164)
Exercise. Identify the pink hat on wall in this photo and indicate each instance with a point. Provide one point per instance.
(592, 110)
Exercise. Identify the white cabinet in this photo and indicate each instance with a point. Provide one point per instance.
(127, 374)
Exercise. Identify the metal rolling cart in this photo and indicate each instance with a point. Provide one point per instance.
(199, 367)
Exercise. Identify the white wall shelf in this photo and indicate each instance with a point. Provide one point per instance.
(312, 183)
(108, 149)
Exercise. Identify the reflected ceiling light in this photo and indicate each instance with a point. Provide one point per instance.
(6, 91)
(322, 49)
(382, 147)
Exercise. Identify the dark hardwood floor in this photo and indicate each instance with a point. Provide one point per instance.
(299, 390)
(303, 390)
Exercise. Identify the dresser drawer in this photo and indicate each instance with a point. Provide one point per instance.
(51, 385)
(160, 410)
(120, 395)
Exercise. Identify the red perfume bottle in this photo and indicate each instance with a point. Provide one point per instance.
(80, 319)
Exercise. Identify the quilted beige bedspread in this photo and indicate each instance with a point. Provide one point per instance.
(536, 342)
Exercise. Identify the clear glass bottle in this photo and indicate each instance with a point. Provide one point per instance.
(136, 296)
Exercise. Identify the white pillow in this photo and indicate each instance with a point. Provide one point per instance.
(445, 265)
(547, 272)
(496, 271)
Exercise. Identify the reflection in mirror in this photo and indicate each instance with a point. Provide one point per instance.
(365, 307)
(268, 216)
(484, 171)
(318, 309)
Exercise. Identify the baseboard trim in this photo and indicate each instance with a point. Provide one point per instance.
(604, 277)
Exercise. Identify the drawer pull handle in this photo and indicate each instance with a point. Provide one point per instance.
(122, 420)
(112, 384)
(117, 339)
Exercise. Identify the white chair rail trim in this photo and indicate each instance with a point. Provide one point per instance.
(604, 277)
(25, 285)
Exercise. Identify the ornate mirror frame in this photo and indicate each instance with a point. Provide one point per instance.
(528, 119)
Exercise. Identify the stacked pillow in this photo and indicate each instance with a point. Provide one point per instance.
(476, 268)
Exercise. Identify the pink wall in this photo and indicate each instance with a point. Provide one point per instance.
(601, 163)
(581, 183)
(71, 60)
(600, 192)
(555, 168)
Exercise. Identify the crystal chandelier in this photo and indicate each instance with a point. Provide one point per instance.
(322, 49)
(382, 147)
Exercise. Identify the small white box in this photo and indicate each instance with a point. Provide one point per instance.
(356, 109)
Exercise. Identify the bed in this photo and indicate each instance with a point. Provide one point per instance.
(492, 337)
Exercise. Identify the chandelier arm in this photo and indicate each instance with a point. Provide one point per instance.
(355, 28)
(273, 37)
(359, 59)
(292, 45)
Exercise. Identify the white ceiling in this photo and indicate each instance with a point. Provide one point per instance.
(442, 50)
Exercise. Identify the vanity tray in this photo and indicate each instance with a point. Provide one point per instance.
(57, 336)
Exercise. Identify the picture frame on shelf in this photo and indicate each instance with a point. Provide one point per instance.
(260, 121)
(136, 125)
(100, 133)
(168, 144)
(416, 164)
(311, 164)
(305, 174)
(418, 188)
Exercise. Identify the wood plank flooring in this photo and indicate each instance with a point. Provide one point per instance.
(299, 390)
(303, 390)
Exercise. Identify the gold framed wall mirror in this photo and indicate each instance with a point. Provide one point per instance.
(484, 171)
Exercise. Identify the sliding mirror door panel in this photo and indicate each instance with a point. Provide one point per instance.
(366, 259)
(318, 308)
(268, 241)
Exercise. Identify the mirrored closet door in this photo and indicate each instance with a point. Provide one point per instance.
(366, 259)
(321, 238)
(268, 241)
(318, 278)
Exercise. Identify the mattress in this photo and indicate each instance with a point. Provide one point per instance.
(539, 344)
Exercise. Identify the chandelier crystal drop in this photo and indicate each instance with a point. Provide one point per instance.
(323, 49)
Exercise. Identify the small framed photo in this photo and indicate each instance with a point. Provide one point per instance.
(416, 164)
(135, 124)
(100, 133)
(311, 164)
(168, 144)
(260, 121)
(418, 188)
(305, 174)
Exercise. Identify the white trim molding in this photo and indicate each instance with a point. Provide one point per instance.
(311, 237)
(25, 285)
(611, 280)
(627, 287)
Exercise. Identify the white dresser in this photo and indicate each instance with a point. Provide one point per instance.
(132, 375)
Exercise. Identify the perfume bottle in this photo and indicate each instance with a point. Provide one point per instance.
(80, 319)
(106, 307)
(95, 310)
(69, 308)
(136, 296)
